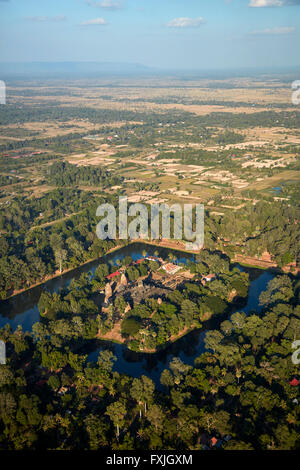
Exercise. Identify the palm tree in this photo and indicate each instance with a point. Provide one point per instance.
(142, 391)
(60, 257)
(238, 373)
(117, 412)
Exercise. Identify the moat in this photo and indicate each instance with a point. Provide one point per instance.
(22, 310)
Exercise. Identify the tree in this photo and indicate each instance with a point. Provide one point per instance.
(166, 378)
(197, 379)
(7, 407)
(226, 327)
(54, 382)
(106, 360)
(238, 320)
(213, 340)
(238, 445)
(97, 431)
(60, 257)
(117, 413)
(130, 326)
(280, 290)
(142, 391)
(101, 272)
(155, 416)
(6, 375)
(215, 304)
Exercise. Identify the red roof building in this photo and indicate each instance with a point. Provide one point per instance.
(294, 382)
(112, 275)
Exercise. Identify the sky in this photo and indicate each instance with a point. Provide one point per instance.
(167, 34)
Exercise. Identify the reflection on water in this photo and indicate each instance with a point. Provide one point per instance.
(259, 280)
(136, 364)
(22, 310)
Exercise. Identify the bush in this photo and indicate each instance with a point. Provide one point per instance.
(130, 326)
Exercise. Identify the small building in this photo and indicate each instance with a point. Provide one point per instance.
(213, 441)
(112, 275)
(171, 268)
(294, 382)
(152, 258)
(209, 277)
(216, 443)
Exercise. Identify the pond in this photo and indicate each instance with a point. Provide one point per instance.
(22, 310)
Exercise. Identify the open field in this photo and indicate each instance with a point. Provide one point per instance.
(179, 159)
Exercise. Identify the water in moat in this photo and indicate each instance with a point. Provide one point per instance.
(22, 310)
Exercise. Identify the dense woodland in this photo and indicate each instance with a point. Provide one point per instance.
(65, 174)
(17, 114)
(31, 247)
(52, 398)
(255, 229)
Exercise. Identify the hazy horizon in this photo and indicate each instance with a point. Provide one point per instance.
(92, 70)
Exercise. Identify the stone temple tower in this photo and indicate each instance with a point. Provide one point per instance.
(108, 292)
(124, 281)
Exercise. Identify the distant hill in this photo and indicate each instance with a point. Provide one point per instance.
(76, 70)
(70, 69)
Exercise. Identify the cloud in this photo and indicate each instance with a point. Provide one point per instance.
(41, 19)
(107, 4)
(275, 31)
(96, 21)
(272, 3)
(185, 22)
(266, 3)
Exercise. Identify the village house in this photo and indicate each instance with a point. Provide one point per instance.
(209, 277)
